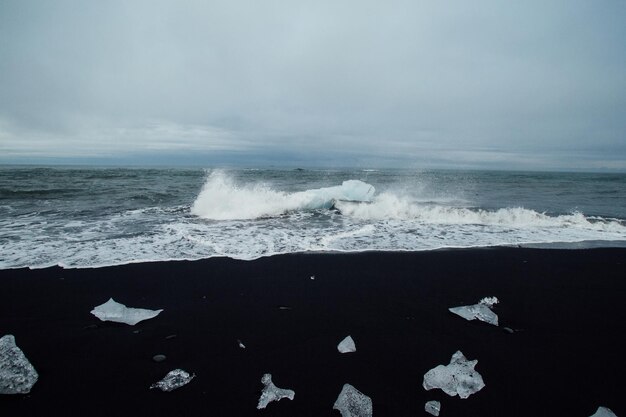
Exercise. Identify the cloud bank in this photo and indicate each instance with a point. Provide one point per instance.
(469, 84)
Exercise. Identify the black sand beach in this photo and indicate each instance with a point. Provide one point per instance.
(565, 357)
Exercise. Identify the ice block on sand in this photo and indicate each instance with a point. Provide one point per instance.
(481, 311)
(604, 412)
(458, 377)
(353, 403)
(119, 313)
(174, 379)
(433, 407)
(17, 375)
(346, 345)
(272, 393)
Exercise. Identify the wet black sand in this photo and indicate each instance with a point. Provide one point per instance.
(565, 358)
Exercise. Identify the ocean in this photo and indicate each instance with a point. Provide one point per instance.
(78, 217)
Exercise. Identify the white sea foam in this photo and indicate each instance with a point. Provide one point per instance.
(387, 206)
(223, 199)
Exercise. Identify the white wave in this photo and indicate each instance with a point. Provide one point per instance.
(390, 206)
(223, 199)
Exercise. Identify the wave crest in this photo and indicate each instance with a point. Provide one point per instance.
(388, 206)
(221, 198)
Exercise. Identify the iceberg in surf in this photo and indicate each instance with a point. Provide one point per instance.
(17, 375)
(604, 412)
(174, 379)
(457, 378)
(119, 313)
(433, 407)
(272, 393)
(346, 345)
(481, 311)
(351, 190)
(353, 403)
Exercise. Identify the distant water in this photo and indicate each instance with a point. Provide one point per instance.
(78, 217)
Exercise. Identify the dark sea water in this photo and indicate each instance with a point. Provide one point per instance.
(88, 217)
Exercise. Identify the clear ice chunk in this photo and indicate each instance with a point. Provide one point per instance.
(174, 379)
(17, 375)
(346, 345)
(604, 412)
(353, 403)
(272, 393)
(119, 313)
(433, 407)
(481, 311)
(459, 377)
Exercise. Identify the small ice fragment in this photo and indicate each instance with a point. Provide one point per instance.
(17, 375)
(119, 313)
(489, 301)
(159, 358)
(312, 276)
(433, 407)
(353, 403)
(481, 311)
(174, 379)
(346, 345)
(604, 412)
(459, 377)
(272, 393)
(241, 345)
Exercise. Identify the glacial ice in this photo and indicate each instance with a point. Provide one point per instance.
(272, 393)
(481, 311)
(17, 375)
(433, 407)
(604, 412)
(459, 377)
(353, 403)
(119, 313)
(346, 345)
(174, 379)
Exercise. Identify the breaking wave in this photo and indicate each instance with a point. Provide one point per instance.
(390, 206)
(222, 198)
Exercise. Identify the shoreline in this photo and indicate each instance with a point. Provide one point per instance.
(575, 245)
(565, 306)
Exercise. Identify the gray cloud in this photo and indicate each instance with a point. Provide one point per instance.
(531, 85)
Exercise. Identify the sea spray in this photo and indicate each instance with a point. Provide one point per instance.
(223, 199)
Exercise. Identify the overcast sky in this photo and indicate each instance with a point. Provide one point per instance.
(483, 84)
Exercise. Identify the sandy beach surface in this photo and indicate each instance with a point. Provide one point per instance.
(563, 358)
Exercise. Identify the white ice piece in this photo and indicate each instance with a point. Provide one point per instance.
(272, 393)
(17, 375)
(489, 301)
(481, 311)
(119, 313)
(459, 377)
(433, 407)
(604, 412)
(353, 403)
(346, 345)
(174, 379)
